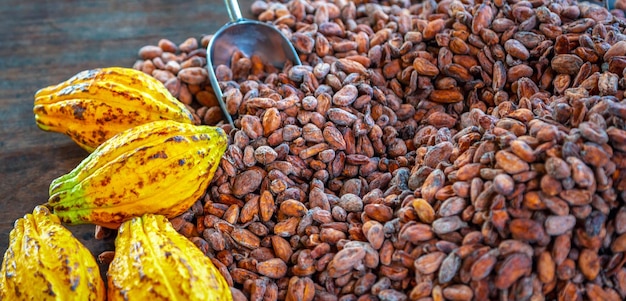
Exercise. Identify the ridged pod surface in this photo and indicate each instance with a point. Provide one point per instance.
(154, 262)
(161, 167)
(44, 261)
(94, 105)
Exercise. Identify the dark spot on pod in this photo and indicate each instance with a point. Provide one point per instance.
(55, 199)
(155, 177)
(49, 290)
(176, 139)
(181, 162)
(158, 155)
(105, 181)
(201, 154)
(79, 109)
(98, 202)
(100, 133)
(75, 282)
(40, 109)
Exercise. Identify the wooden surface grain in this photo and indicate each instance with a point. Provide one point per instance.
(46, 42)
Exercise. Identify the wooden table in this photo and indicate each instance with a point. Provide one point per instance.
(46, 42)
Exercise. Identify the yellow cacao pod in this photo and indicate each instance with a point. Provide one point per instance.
(94, 105)
(44, 261)
(161, 167)
(154, 262)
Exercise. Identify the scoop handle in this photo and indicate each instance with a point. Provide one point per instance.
(233, 10)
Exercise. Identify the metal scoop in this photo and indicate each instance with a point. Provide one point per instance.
(250, 37)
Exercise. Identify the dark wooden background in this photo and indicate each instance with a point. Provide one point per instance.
(46, 42)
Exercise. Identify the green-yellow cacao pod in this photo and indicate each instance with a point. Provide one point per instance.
(161, 167)
(154, 262)
(94, 105)
(44, 261)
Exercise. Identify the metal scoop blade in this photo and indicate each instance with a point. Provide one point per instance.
(250, 37)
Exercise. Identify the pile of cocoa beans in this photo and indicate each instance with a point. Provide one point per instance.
(442, 150)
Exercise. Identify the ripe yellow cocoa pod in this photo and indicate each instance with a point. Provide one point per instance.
(44, 261)
(161, 167)
(94, 105)
(154, 262)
